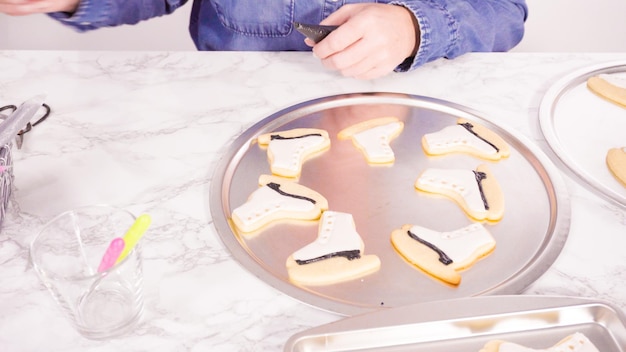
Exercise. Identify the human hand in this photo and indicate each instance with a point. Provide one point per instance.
(371, 41)
(28, 7)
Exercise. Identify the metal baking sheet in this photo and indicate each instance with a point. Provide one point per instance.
(580, 127)
(466, 324)
(529, 237)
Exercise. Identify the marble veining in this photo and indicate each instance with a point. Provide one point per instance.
(143, 130)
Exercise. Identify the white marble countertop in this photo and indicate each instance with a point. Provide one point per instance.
(141, 130)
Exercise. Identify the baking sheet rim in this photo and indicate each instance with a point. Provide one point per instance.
(542, 303)
(546, 108)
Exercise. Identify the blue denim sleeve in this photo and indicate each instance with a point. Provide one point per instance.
(93, 14)
(449, 28)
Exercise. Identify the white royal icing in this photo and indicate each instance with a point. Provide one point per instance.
(460, 181)
(288, 153)
(375, 141)
(614, 80)
(265, 201)
(337, 233)
(575, 343)
(453, 136)
(458, 245)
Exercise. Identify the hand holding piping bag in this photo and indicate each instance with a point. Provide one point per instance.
(371, 41)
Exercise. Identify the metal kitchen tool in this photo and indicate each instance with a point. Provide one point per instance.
(10, 128)
(29, 126)
(19, 119)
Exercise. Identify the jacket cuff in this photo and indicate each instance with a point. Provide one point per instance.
(87, 13)
(433, 44)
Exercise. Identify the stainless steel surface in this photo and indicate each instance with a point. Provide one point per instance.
(580, 128)
(466, 324)
(529, 237)
(10, 127)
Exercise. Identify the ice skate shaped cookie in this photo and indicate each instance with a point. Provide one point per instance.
(609, 87)
(466, 137)
(477, 192)
(335, 256)
(443, 254)
(278, 199)
(372, 138)
(576, 342)
(288, 150)
(616, 162)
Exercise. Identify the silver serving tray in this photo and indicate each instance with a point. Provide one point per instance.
(580, 127)
(466, 324)
(529, 237)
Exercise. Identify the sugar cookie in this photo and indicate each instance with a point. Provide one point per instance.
(372, 138)
(466, 137)
(278, 199)
(609, 87)
(476, 191)
(616, 161)
(335, 256)
(443, 254)
(576, 342)
(288, 150)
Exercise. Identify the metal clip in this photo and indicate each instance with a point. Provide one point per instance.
(19, 139)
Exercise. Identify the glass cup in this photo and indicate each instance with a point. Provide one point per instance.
(66, 255)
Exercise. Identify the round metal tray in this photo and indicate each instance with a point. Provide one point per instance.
(580, 127)
(383, 198)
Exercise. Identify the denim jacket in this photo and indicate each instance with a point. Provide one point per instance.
(448, 28)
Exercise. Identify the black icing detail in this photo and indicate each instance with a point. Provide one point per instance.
(443, 257)
(276, 187)
(480, 176)
(277, 136)
(350, 255)
(468, 126)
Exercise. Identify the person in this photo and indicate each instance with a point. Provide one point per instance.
(374, 38)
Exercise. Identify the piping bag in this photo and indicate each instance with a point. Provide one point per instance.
(12, 125)
(315, 32)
